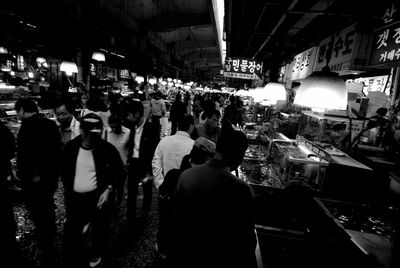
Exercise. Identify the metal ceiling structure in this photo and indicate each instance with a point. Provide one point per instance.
(160, 37)
(276, 30)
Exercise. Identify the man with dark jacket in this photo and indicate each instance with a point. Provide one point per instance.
(38, 152)
(177, 112)
(214, 211)
(143, 141)
(90, 168)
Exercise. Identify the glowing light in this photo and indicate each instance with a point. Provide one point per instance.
(12, 73)
(68, 67)
(152, 81)
(139, 79)
(40, 60)
(3, 50)
(98, 56)
(322, 91)
(30, 75)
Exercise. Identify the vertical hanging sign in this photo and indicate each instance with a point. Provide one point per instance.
(386, 39)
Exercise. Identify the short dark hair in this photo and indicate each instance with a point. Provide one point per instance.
(231, 142)
(185, 122)
(199, 156)
(28, 105)
(134, 107)
(211, 112)
(63, 101)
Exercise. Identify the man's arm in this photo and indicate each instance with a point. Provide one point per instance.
(157, 166)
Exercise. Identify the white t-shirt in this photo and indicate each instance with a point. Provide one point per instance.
(138, 137)
(85, 173)
(120, 141)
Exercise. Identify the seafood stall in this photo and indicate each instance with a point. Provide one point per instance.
(298, 222)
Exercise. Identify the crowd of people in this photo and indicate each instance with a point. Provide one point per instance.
(103, 151)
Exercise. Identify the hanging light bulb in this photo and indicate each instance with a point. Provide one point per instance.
(152, 81)
(68, 67)
(3, 50)
(139, 79)
(322, 90)
(98, 56)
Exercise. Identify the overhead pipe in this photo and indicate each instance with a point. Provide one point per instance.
(255, 28)
(282, 19)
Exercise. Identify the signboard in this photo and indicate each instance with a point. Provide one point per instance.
(386, 45)
(242, 68)
(339, 48)
(124, 73)
(302, 64)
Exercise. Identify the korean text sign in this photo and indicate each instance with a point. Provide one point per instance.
(302, 64)
(338, 48)
(243, 68)
(386, 40)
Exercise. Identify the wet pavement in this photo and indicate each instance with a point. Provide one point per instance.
(124, 250)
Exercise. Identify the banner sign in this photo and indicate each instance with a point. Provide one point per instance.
(242, 68)
(302, 64)
(339, 48)
(386, 40)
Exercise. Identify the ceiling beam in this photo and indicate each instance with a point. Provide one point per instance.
(281, 20)
(172, 20)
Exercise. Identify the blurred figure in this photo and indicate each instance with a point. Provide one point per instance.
(91, 166)
(214, 210)
(118, 135)
(158, 110)
(38, 152)
(177, 112)
(8, 230)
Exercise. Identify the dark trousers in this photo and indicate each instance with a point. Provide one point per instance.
(174, 126)
(7, 232)
(165, 225)
(81, 210)
(135, 176)
(155, 120)
(40, 204)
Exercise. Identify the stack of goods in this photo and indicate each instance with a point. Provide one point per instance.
(259, 173)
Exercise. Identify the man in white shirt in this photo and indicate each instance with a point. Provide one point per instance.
(171, 149)
(90, 167)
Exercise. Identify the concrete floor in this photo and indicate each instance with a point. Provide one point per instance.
(123, 250)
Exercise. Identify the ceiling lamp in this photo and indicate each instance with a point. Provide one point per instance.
(322, 90)
(152, 81)
(68, 67)
(98, 56)
(5, 68)
(40, 60)
(139, 79)
(273, 92)
(3, 50)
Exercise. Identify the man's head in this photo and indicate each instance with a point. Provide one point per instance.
(231, 146)
(91, 128)
(178, 97)
(186, 123)
(25, 108)
(115, 123)
(212, 118)
(63, 111)
(134, 113)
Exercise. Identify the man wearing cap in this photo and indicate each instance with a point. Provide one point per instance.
(171, 149)
(90, 168)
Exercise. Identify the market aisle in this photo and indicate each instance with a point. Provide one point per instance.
(123, 250)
